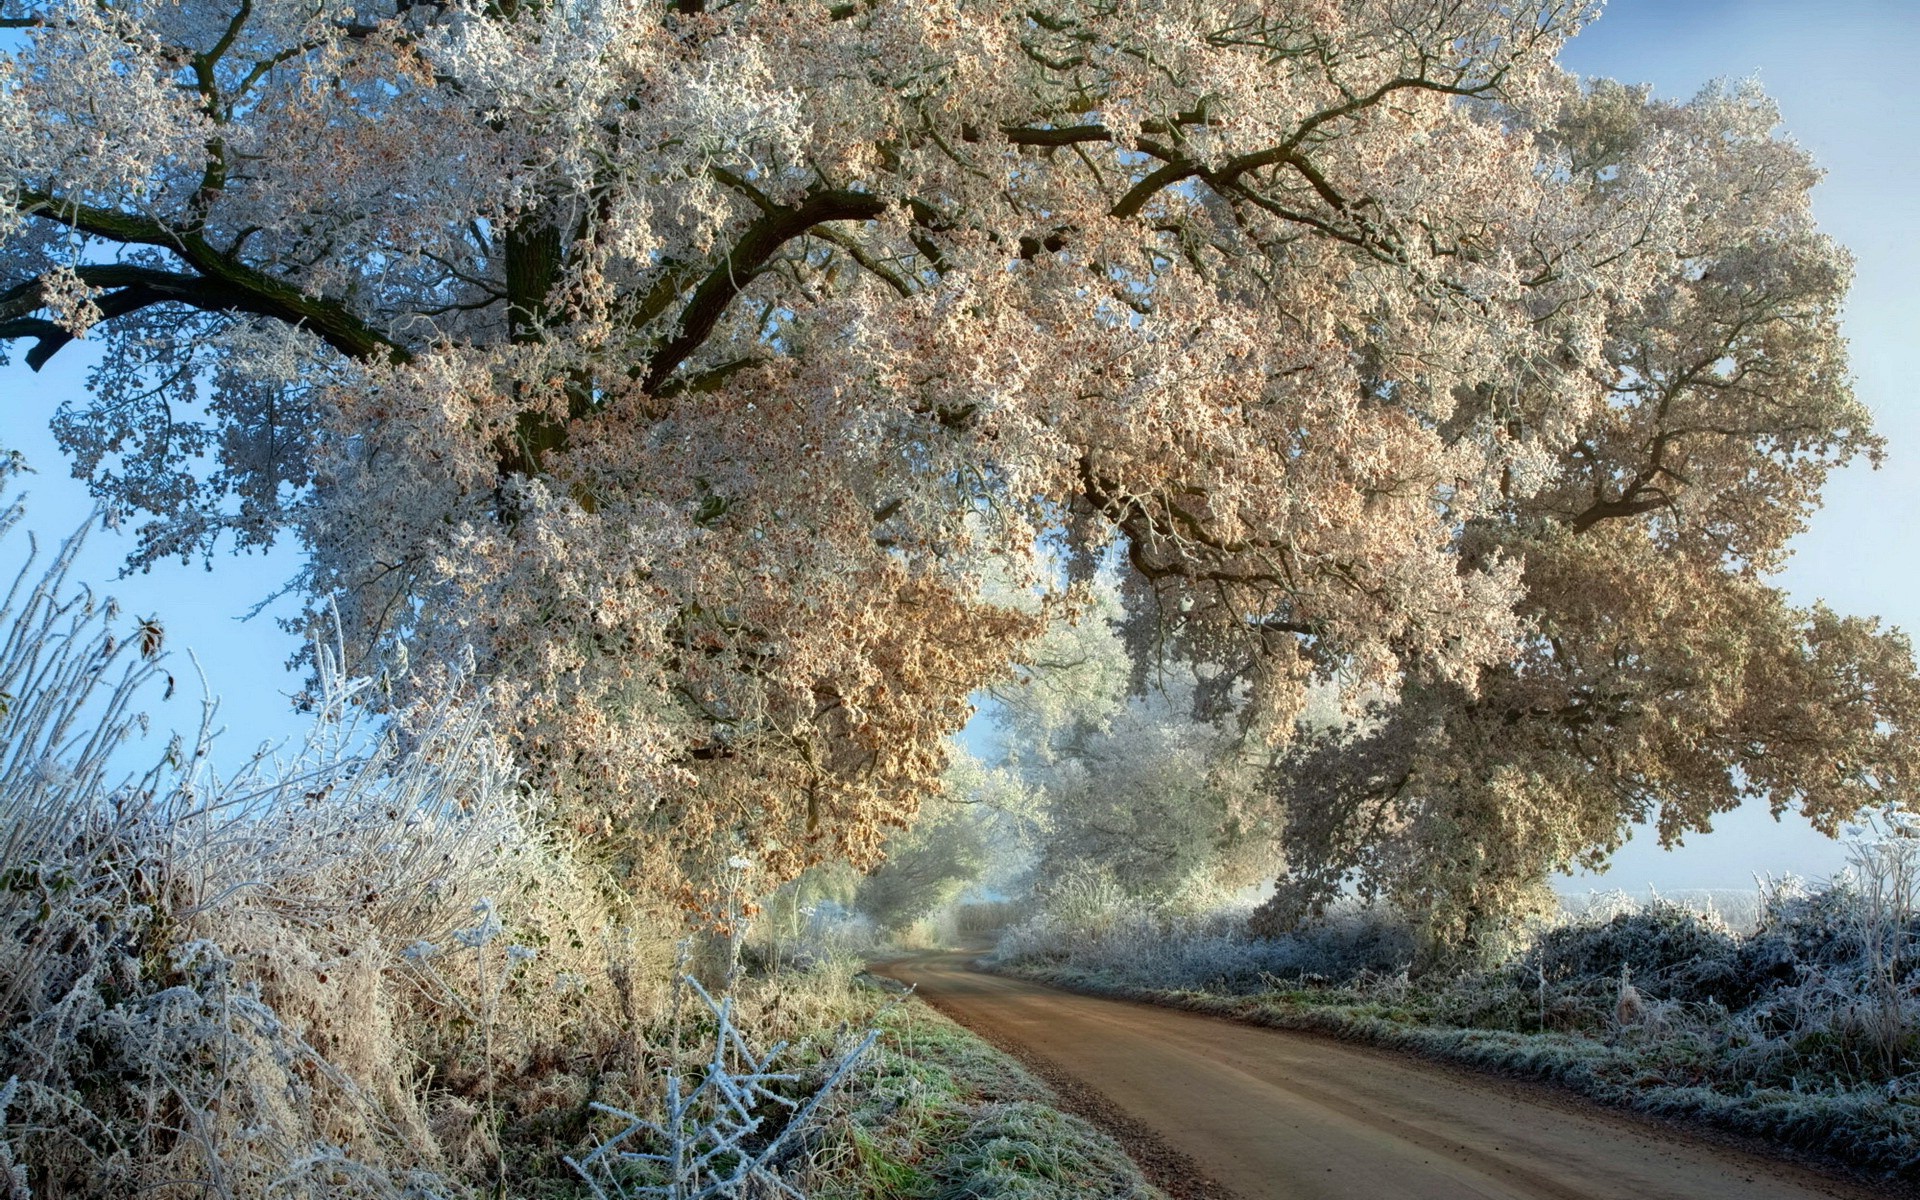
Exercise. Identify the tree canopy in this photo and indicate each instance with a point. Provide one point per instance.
(690, 365)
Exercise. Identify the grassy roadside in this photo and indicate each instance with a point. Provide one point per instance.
(937, 1114)
(1862, 1130)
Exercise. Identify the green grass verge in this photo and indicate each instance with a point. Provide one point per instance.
(937, 1114)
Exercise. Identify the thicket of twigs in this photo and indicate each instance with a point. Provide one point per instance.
(1803, 1027)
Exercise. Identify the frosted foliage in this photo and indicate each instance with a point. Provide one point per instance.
(1160, 801)
(1661, 678)
(693, 366)
(1131, 777)
(1074, 682)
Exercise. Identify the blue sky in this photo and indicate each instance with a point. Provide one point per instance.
(1841, 71)
(201, 609)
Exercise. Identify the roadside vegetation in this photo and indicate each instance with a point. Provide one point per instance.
(368, 966)
(1802, 1029)
(1120, 838)
(940, 1114)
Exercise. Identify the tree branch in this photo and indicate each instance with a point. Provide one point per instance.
(222, 284)
(756, 247)
(1608, 509)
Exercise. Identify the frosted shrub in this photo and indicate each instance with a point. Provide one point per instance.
(1887, 871)
(1801, 926)
(246, 985)
(1673, 950)
(1821, 996)
(1087, 925)
(1840, 984)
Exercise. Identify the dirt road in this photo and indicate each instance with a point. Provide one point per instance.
(1267, 1113)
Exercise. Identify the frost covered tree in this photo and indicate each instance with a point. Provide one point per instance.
(686, 363)
(927, 866)
(1659, 678)
(1159, 802)
(1122, 763)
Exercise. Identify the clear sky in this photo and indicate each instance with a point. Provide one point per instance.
(200, 609)
(1841, 71)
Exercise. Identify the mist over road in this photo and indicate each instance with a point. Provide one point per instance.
(1268, 1113)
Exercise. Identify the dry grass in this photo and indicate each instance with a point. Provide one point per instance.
(359, 967)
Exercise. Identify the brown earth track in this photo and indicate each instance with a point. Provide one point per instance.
(1216, 1109)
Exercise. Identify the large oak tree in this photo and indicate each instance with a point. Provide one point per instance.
(1660, 678)
(689, 365)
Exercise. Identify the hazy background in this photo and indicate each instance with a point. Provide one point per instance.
(1841, 71)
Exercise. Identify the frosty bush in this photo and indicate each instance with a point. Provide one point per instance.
(1681, 953)
(1087, 924)
(244, 985)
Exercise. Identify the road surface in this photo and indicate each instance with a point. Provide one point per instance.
(1215, 1108)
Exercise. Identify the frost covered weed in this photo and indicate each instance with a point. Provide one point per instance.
(727, 1127)
(358, 969)
(1804, 1027)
